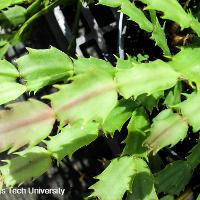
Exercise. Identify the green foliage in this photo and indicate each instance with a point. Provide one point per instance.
(17, 15)
(4, 45)
(7, 3)
(83, 65)
(72, 138)
(118, 116)
(194, 158)
(113, 3)
(129, 168)
(91, 97)
(9, 89)
(168, 197)
(29, 164)
(189, 68)
(136, 15)
(133, 82)
(173, 178)
(158, 34)
(25, 123)
(37, 72)
(189, 109)
(165, 124)
(143, 183)
(174, 95)
(137, 126)
(13, 17)
(172, 10)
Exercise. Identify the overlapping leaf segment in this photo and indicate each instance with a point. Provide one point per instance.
(94, 95)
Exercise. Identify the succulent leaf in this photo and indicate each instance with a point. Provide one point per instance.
(190, 110)
(29, 164)
(72, 138)
(24, 123)
(168, 128)
(118, 116)
(40, 68)
(146, 78)
(173, 178)
(9, 89)
(174, 11)
(143, 183)
(91, 96)
(138, 124)
(127, 167)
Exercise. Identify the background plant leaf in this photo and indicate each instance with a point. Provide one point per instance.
(173, 178)
(190, 110)
(13, 16)
(194, 158)
(158, 34)
(173, 11)
(135, 14)
(189, 68)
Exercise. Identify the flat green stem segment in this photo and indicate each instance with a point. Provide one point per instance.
(163, 130)
(174, 11)
(130, 170)
(40, 68)
(173, 178)
(28, 165)
(9, 89)
(72, 138)
(24, 123)
(127, 168)
(146, 78)
(190, 110)
(91, 96)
